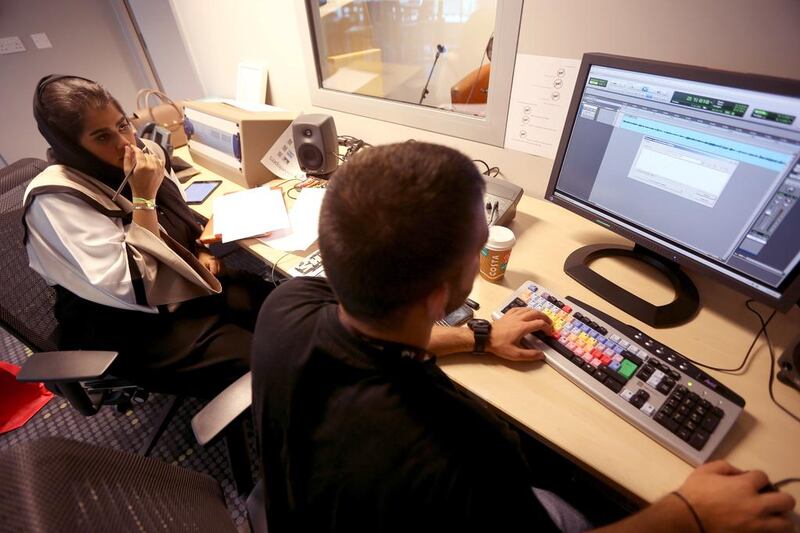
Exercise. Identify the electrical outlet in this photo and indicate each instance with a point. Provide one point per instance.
(11, 45)
(40, 40)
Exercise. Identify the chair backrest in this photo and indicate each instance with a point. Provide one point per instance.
(26, 301)
(55, 484)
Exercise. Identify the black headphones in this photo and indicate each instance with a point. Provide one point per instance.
(50, 78)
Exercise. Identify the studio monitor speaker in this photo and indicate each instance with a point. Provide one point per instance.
(316, 144)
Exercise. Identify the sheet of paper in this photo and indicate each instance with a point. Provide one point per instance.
(304, 219)
(280, 159)
(540, 97)
(251, 82)
(249, 213)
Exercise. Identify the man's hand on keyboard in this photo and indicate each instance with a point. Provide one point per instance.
(507, 332)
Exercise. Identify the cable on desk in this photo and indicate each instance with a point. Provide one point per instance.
(749, 350)
(353, 145)
(764, 324)
(290, 189)
(772, 364)
(492, 172)
(275, 264)
(787, 481)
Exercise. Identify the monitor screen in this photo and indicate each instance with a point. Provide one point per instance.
(692, 165)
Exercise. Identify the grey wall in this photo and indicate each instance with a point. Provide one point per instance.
(89, 39)
(164, 41)
(744, 35)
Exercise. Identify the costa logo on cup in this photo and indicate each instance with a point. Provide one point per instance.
(496, 253)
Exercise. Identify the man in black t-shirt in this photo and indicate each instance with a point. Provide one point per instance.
(360, 430)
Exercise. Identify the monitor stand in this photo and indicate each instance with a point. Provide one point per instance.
(676, 312)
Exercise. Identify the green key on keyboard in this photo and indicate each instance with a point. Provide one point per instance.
(627, 368)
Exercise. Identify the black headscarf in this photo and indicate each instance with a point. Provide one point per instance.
(173, 213)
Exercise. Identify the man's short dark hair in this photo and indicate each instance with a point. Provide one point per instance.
(396, 221)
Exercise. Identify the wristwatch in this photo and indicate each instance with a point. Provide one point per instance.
(481, 328)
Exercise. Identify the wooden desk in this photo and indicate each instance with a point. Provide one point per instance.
(558, 413)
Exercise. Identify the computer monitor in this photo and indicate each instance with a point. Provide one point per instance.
(697, 167)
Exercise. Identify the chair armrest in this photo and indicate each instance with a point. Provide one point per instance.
(65, 366)
(223, 409)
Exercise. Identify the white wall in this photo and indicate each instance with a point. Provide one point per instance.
(758, 36)
(89, 39)
(165, 44)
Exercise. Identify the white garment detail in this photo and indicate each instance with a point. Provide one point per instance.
(90, 260)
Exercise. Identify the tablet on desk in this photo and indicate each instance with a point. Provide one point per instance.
(197, 192)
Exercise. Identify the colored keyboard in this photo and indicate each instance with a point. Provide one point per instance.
(645, 382)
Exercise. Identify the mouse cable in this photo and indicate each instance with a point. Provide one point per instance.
(764, 324)
(772, 365)
(275, 264)
(749, 350)
(787, 481)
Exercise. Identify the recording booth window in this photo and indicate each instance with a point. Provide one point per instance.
(440, 66)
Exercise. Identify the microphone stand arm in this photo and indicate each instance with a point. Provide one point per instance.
(425, 90)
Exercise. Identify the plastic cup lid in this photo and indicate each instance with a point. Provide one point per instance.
(500, 237)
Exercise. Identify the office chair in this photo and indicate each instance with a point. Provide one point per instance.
(26, 311)
(223, 417)
(55, 484)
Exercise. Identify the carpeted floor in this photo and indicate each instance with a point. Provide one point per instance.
(129, 431)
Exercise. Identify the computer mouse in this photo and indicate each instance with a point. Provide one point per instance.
(769, 487)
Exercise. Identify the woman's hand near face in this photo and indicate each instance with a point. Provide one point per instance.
(147, 174)
(210, 262)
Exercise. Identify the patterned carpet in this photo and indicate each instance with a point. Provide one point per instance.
(130, 430)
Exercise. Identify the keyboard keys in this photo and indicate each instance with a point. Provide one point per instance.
(666, 421)
(634, 359)
(616, 376)
(627, 368)
(710, 422)
(639, 397)
(645, 372)
(516, 302)
(613, 359)
(627, 394)
(699, 439)
(665, 386)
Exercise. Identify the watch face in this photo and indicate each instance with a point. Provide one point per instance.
(479, 324)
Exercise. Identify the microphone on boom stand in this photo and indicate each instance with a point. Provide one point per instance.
(440, 49)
